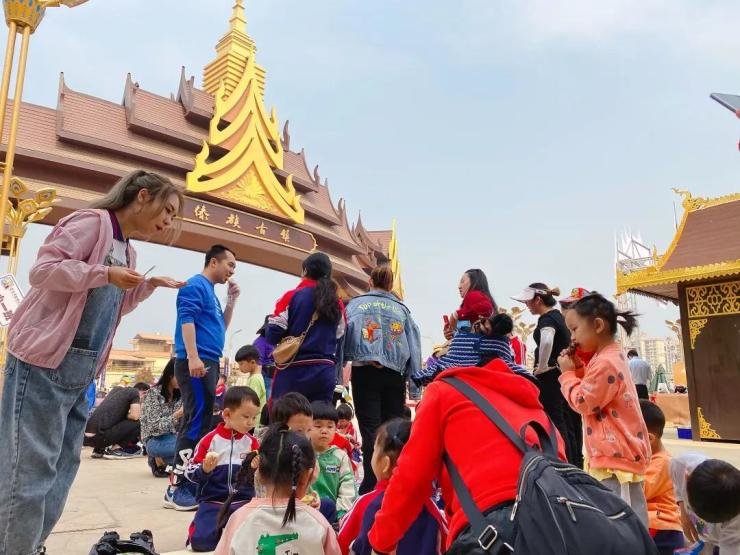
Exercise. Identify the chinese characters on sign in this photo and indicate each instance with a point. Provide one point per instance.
(233, 221)
(10, 297)
(246, 224)
(201, 213)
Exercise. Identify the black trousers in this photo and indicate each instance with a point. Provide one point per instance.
(197, 396)
(123, 433)
(567, 421)
(379, 395)
(642, 391)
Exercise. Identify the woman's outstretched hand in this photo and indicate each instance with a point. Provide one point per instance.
(161, 281)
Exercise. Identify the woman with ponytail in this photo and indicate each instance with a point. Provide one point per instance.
(284, 466)
(314, 309)
(551, 336)
(617, 443)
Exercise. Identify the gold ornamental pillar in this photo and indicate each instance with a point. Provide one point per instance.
(22, 16)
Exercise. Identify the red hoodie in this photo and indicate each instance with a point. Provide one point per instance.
(488, 461)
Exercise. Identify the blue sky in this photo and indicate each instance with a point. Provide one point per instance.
(517, 136)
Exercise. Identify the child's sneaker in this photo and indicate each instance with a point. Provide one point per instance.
(180, 499)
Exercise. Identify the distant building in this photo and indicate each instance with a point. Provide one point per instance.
(144, 362)
(659, 351)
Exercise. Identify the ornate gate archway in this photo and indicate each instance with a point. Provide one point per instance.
(246, 187)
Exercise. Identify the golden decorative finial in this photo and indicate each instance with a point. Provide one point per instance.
(238, 21)
(395, 263)
(686, 198)
(232, 53)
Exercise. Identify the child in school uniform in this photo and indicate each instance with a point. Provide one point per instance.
(215, 466)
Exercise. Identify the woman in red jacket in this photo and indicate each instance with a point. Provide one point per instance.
(488, 462)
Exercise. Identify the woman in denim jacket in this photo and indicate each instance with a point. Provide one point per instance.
(384, 345)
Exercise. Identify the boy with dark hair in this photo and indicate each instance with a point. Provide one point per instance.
(199, 342)
(216, 463)
(335, 485)
(249, 372)
(708, 495)
(293, 410)
(116, 422)
(663, 515)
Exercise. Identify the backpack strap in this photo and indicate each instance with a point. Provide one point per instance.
(487, 533)
(548, 441)
(487, 409)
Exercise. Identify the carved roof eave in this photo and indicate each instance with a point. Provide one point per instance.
(640, 281)
(359, 231)
(162, 133)
(185, 97)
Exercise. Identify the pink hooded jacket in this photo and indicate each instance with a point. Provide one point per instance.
(69, 263)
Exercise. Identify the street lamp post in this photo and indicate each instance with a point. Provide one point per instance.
(227, 362)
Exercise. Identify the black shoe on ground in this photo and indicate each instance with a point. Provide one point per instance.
(120, 454)
(97, 454)
(157, 471)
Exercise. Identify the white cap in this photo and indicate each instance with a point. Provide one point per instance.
(528, 294)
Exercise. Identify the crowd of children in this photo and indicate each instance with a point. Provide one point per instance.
(287, 474)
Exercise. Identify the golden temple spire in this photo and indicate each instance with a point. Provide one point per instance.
(242, 128)
(395, 263)
(232, 53)
(238, 21)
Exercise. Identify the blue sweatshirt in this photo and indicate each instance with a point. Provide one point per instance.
(197, 304)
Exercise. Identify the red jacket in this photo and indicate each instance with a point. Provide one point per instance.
(343, 443)
(488, 462)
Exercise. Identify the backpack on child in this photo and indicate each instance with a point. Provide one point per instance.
(112, 544)
(558, 507)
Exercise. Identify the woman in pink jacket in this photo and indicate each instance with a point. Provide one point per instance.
(82, 282)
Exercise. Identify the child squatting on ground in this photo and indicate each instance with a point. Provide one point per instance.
(616, 439)
(708, 496)
(663, 515)
(284, 466)
(216, 464)
(426, 535)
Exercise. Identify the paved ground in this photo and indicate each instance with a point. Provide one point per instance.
(123, 496)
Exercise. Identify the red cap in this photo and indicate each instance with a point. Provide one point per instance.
(575, 295)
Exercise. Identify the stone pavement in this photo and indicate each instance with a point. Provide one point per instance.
(123, 496)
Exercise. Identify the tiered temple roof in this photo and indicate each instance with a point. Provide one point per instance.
(706, 246)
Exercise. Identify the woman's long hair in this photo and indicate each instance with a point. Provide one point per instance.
(126, 189)
(479, 282)
(164, 382)
(325, 297)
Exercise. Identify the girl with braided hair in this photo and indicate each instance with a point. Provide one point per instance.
(284, 466)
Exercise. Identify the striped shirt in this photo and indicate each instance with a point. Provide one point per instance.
(466, 349)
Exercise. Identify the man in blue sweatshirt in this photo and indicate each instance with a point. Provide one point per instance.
(199, 342)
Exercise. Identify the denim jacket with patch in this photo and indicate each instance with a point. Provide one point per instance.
(380, 329)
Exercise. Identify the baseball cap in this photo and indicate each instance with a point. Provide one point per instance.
(576, 294)
(528, 294)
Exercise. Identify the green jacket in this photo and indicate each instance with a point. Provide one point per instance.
(336, 480)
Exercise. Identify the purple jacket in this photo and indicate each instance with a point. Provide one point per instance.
(69, 263)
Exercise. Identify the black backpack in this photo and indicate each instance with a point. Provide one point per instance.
(558, 509)
(112, 544)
